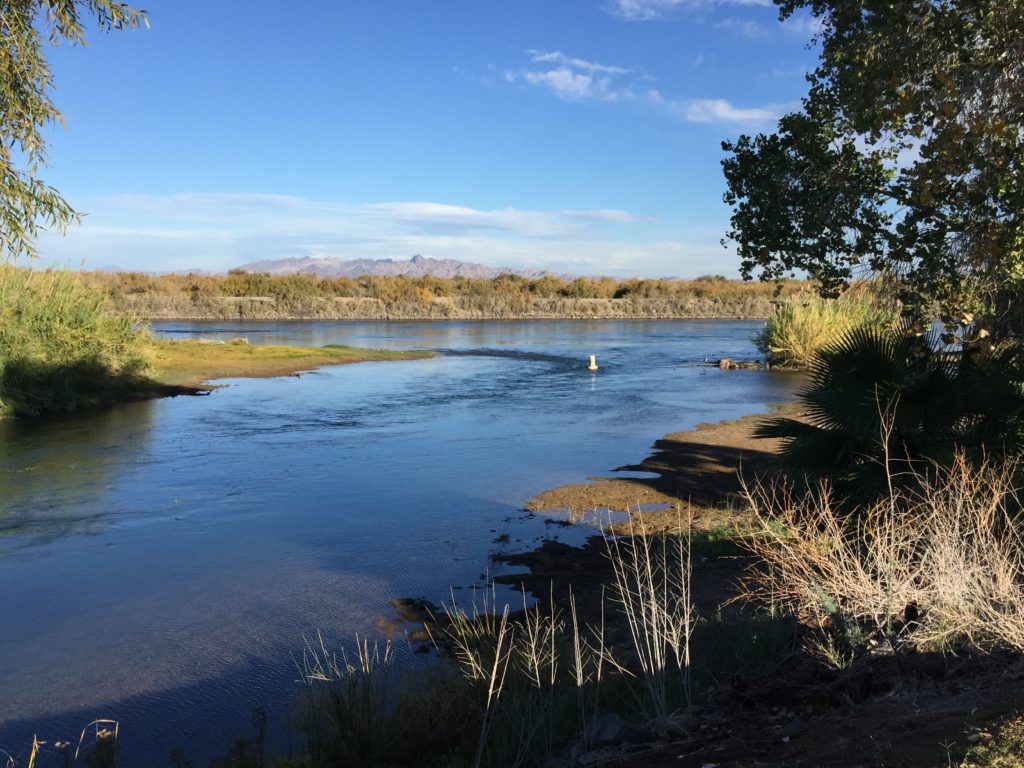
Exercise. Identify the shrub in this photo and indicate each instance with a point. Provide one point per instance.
(886, 399)
(941, 566)
(802, 326)
(60, 348)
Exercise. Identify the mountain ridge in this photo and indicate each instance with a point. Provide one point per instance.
(417, 266)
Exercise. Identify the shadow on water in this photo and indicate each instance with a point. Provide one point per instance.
(52, 469)
(186, 729)
(33, 387)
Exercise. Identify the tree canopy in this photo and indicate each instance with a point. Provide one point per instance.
(906, 158)
(26, 108)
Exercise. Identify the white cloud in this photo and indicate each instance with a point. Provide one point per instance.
(749, 29)
(558, 57)
(572, 85)
(573, 79)
(219, 231)
(716, 111)
(648, 10)
(721, 111)
(803, 24)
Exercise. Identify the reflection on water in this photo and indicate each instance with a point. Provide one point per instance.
(160, 562)
(51, 488)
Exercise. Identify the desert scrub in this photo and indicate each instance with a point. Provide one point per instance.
(60, 347)
(800, 326)
(935, 565)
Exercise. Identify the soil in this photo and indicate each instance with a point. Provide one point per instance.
(702, 471)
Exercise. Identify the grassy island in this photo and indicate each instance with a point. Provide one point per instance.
(191, 363)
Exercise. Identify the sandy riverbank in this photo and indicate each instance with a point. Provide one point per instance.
(193, 363)
(702, 468)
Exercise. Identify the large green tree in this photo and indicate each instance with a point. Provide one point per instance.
(27, 109)
(906, 158)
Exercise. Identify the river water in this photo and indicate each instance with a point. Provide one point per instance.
(161, 562)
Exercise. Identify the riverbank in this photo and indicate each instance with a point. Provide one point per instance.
(175, 368)
(194, 363)
(763, 694)
(255, 296)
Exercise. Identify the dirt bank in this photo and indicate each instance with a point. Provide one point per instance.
(701, 468)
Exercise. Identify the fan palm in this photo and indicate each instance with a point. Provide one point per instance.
(883, 399)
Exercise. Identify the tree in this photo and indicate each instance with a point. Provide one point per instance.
(907, 158)
(26, 202)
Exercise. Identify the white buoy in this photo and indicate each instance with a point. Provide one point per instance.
(593, 363)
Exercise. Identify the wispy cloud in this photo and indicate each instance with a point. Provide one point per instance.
(803, 24)
(574, 79)
(747, 28)
(649, 10)
(218, 231)
(717, 111)
(580, 80)
(557, 57)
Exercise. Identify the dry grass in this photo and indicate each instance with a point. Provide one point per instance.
(652, 587)
(938, 566)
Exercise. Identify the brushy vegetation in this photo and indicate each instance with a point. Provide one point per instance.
(937, 567)
(881, 396)
(61, 347)
(803, 325)
(243, 295)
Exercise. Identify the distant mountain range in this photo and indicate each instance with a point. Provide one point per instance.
(417, 266)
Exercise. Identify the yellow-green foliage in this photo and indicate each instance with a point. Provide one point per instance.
(241, 284)
(59, 346)
(803, 325)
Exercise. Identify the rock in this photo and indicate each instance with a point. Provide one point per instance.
(414, 609)
(610, 730)
(728, 364)
(606, 730)
(687, 721)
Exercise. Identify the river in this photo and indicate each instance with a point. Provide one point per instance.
(161, 562)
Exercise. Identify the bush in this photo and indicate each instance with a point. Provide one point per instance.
(938, 567)
(802, 326)
(60, 347)
(887, 399)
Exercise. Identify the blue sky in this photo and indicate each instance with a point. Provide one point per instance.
(581, 136)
